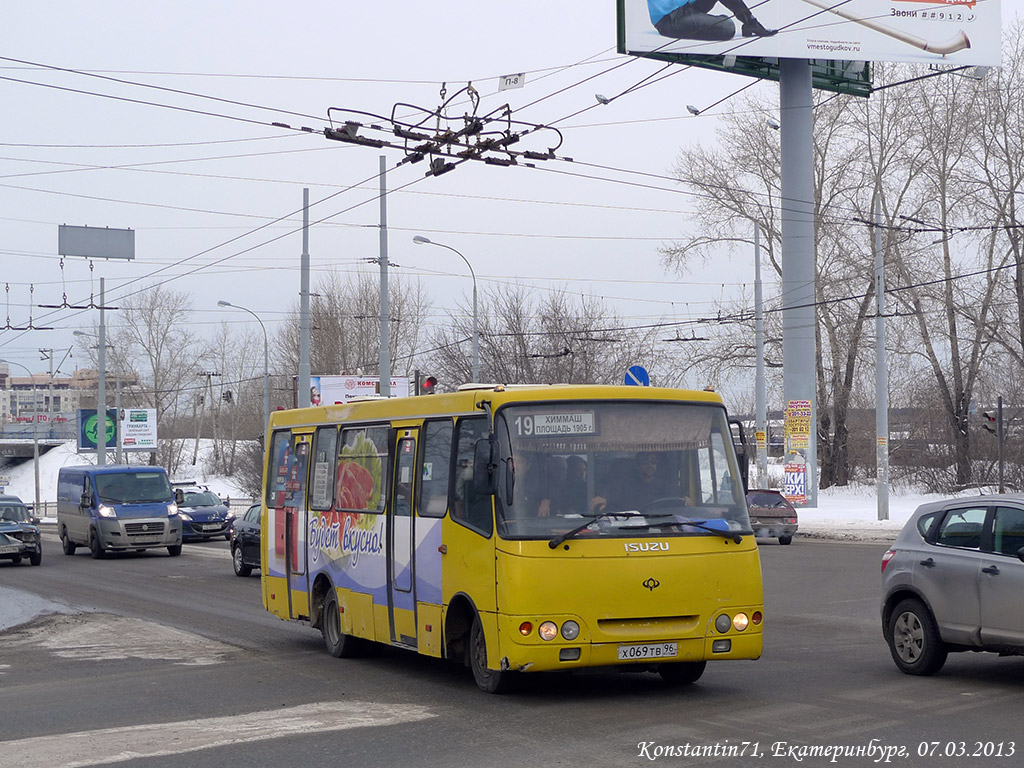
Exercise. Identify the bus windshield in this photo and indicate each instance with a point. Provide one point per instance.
(637, 468)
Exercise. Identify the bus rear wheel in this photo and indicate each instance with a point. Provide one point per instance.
(339, 645)
(487, 680)
(682, 672)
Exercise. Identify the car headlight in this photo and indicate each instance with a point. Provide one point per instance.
(172, 509)
(570, 630)
(105, 511)
(548, 630)
(185, 516)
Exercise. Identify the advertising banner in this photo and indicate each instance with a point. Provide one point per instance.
(328, 390)
(138, 429)
(954, 32)
(794, 486)
(89, 429)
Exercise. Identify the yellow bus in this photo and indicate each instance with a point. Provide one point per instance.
(516, 529)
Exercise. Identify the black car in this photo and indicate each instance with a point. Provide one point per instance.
(19, 532)
(203, 515)
(245, 541)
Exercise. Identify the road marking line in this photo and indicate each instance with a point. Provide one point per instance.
(115, 745)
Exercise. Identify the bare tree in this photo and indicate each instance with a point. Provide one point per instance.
(152, 336)
(345, 325)
(555, 339)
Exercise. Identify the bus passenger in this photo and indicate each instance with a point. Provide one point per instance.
(573, 497)
(529, 494)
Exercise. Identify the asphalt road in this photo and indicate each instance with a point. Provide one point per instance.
(173, 662)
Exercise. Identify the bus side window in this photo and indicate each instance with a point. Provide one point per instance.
(473, 510)
(277, 471)
(321, 492)
(437, 457)
(361, 473)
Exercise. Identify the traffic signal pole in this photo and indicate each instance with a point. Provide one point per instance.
(1000, 427)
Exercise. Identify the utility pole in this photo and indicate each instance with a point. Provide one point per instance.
(385, 331)
(761, 394)
(201, 400)
(881, 373)
(303, 383)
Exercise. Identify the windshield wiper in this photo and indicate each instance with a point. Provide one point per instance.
(591, 519)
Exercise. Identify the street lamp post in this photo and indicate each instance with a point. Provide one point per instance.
(35, 433)
(266, 360)
(420, 240)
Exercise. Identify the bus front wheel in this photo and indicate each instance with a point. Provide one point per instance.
(339, 645)
(487, 680)
(682, 672)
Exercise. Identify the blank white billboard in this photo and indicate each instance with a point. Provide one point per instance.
(954, 32)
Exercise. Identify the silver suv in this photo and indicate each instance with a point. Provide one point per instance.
(953, 580)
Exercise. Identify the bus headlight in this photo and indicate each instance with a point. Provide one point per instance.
(172, 509)
(105, 511)
(548, 630)
(740, 621)
(570, 630)
(722, 623)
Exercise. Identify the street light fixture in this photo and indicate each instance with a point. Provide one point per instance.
(421, 240)
(266, 360)
(35, 433)
(118, 450)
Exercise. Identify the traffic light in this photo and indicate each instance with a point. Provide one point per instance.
(228, 396)
(429, 385)
(990, 422)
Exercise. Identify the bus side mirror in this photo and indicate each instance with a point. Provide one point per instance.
(179, 496)
(86, 500)
(742, 448)
(485, 466)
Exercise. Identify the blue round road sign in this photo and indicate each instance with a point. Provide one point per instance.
(637, 376)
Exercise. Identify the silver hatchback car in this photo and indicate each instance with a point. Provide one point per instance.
(954, 581)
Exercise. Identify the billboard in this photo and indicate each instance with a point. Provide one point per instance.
(328, 390)
(954, 32)
(96, 242)
(138, 429)
(89, 429)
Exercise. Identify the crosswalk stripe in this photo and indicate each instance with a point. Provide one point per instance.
(115, 745)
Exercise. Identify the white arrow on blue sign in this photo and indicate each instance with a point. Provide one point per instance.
(637, 376)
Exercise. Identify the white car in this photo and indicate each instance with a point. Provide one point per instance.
(953, 581)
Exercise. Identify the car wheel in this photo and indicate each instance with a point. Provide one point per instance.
(67, 544)
(36, 558)
(914, 639)
(94, 546)
(785, 539)
(241, 569)
(487, 680)
(339, 645)
(682, 672)
(174, 550)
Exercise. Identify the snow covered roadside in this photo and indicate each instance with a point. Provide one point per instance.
(18, 607)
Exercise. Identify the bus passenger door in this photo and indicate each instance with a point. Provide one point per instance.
(401, 542)
(295, 524)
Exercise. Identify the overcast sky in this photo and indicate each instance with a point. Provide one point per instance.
(203, 184)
